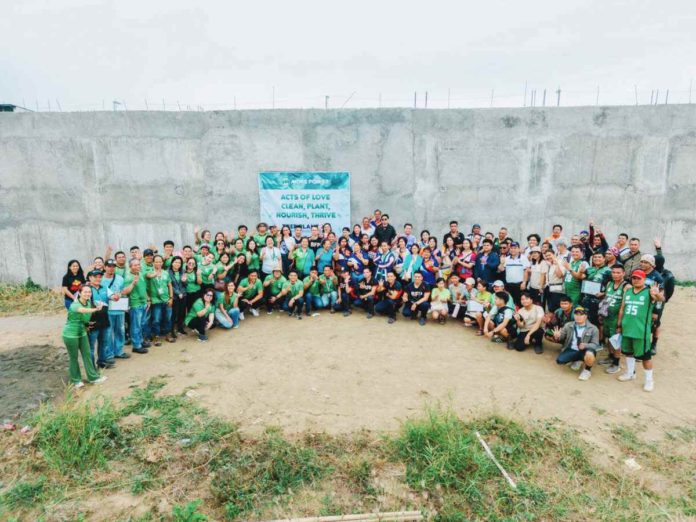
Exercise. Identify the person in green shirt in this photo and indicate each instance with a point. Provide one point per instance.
(242, 235)
(328, 287)
(609, 314)
(303, 257)
(261, 234)
(239, 247)
(138, 301)
(251, 292)
(168, 253)
(75, 338)
(207, 269)
(227, 307)
(193, 283)
(202, 253)
(440, 296)
(273, 286)
(252, 255)
(202, 314)
(312, 291)
(575, 273)
(121, 265)
(596, 277)
(161, 300)
(203, 238)
(293, 295)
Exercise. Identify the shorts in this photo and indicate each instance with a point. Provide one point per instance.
(658, 321)
(631, 345)
(609, 326)
(437, 306)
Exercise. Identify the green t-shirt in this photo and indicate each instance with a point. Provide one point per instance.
(158, 288)
(76, 325)
(168, 262)
(254, 261)
(121, 271)
(276, 285)
(207, 273)
(138, 296)
(437, 295)
(510, 302)
(244, 239)
(328, 284)
(253, 291)
(260, 239)
(302, 257)
(572, 285)
(221, 300)
(146, 269)
(191, 285)
(198, 306)
(314, 288)
(637, 316)
(295, 288)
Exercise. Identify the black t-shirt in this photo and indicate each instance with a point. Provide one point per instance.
(315, 244)
(365, 288)
(387, 233)
(73, 282)
(391, 288)
(458, 238)
(415, 294)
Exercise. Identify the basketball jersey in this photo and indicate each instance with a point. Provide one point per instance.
(614, 297)
(637, 316)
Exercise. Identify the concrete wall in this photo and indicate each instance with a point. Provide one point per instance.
(72, 182)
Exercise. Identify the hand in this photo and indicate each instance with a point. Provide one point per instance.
(196, 229)
(582, 346)
(556, 333)
(116, 297)
(413, 307)
(170, 302)
(489, 334)
(655, 290)
(523, 286)
(99, 305)
(527, 339)
(657, 242)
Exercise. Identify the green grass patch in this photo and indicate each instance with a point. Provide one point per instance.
(28, 298)
(23, 494)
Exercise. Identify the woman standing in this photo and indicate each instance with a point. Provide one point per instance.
(287, 245)
(75, 338)
(270, 258)
(538, 269)
(252, 255)
(412, 263)
(222, 272)
(73, 280)
(193, 283)
(429, 267)
(178, 277)
(303, 257)
(162, 300)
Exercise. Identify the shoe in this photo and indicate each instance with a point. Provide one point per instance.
(289, 314)
(391, 320)
(585, 375)
(346, 313)
(171, 338)
(421, 321)
(124, 355)
(626, 377)
(235, 327)
(78, 384)
(370, 316)
(241, 316)
(605, 362)
(538, 349)
(269, 312)
(147, 345)
(182, 332)
(332, 311)
(254, 312)
(315, 314)
(202, 338)
(157, 341)
(614, 368)
(105, 365)
(140, 350)
(99, 380)
(575, 365)
(127, 342)
(497, 339)
(649, 386)
(299, 316)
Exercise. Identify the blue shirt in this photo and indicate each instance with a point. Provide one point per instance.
(108, 289)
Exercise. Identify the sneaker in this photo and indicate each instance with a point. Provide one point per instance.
(370, 316)
(290, 314)
(78, 384)
(626, 377)
(140, 350)
(182, 332)
(497, 339)
(147, 344)
(269, 312)
(538, 349)
(315, 314)
(585, 375)
(575, 365)
(202, 338)
(605, 362)
(299, 316)
(235, 327)
(332, 311)
(171, 338)
(649, 386)
(157, 341)
(346, 313)
(254, 312)
(391, 320)
(421, 321)
(124, 355)
(105, 365)
(241, 316)
(614, 368)
(99, 380)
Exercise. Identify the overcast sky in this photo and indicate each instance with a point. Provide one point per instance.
(85, 54)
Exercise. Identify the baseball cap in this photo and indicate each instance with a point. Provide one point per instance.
(94, 273)
(584, 233)
(648, 258)
(148, 252)
(580, 310)
(534, 249)
(498, 283)
(476, 225)
(109, 262)
(470, 281)
(514, 244)
(638, 273)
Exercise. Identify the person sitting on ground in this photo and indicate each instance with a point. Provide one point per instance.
(293, 295)
(500, 326)
(529, 319)
(201, 316)
(273, 285)
(227, 310)
(478, 306)
(365, 291)
(389, 293)
(440, 296)
(580, 340)
(344, 297)
(416, 299)
(328, 287)
(559, 318)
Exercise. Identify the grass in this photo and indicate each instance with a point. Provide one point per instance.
(157, 447)
(28, 299)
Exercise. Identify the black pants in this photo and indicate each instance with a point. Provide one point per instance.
(388, 307)
(178, 313)
(536, 296)
(591, 304)
(198, 324)
(244, 306)
(535, 340)
(278, 303)
(368, 304)
(460, 313)
(553, 300)
(345, 302)
(515, 291)
(191, 298)
(421, 308)
(296, 307)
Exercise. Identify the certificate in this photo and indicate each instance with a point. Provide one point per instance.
(474, 306)
(119, 306)
(591, 287)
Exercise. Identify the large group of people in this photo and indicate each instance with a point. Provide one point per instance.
(581, 292)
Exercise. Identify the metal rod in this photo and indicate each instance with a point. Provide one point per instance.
(426, 99)
(558, 99)
(667, 97)
(524, 103)
(415, 98)
(543, 99)
(449, 91)
(635, 88)
(597, 100)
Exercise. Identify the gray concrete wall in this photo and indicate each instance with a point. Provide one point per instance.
(72, 182)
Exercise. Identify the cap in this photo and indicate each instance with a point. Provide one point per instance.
(109, 262)
(148, 252)
(277, 269)
(534, 249)
(648, 258)
(476, 225)
(638, 273)
(204, 245)
(470, 281)
(514, 244)
(94, 273)
(584, 233)
(580, 310)
(614, 251)
(498, 283)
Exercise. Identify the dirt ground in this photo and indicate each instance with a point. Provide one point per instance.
(336, 374)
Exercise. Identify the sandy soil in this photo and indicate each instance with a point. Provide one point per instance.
(341, 374)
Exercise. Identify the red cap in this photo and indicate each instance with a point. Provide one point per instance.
(638, 273)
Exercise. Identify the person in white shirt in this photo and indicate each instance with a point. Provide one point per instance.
(366, 227)
(515, 266)
(529, 323)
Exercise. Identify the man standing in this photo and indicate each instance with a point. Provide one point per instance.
(389, 293)
(384, 232)
(515, 266)
(99, 332)
(635, 324)
(454, 233)
(136, 290)
(631, 260)
(113, 284)
(580, 340)
(612, 295)
(416, 299)
(408, 235)
(487, 262)
(575, 273)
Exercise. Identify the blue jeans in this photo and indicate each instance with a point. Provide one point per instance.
(312, 302)
(137, 317)
(147, 323)
(296, 305)
(117, 333)
(67, 302)
(161, 319)
(224, 322)
(329, 299)
(98, 339)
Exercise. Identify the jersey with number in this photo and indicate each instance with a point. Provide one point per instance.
(614, 297)
(637, 316)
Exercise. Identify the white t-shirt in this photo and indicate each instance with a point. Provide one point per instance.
(530, 317)
(514, 268)
(271, 259)
(535, 275)
(579, 329)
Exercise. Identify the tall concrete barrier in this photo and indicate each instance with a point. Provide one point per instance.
(71, 183)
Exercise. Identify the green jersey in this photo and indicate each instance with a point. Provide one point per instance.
(158, 288)
(76, 325)
(192, 285)
(207, 273)
(121, 270)
(572, 285)
(637, 314)
(138, 296)
(253, 290)
(613, 297)
(198, 306)
(312, 287)
(276, 285)
(295, 288)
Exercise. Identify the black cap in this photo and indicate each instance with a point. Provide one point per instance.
(94, 273)
(148, 252)
(110, 262)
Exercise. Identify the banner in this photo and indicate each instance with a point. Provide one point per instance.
(305, 199)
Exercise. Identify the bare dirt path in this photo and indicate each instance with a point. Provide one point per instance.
(342, 374)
